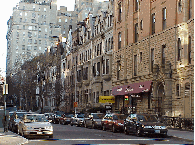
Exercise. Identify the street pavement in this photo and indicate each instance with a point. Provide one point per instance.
(66, 134)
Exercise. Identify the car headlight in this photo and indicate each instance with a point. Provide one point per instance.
(49, 127)
(147, 126)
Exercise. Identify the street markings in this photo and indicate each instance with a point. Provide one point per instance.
(87, 139)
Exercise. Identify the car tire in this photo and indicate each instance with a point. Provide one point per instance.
(103, 127)
(71, 124)
(164, 135)
(113, 129)
(85, 125)
(93, 126)
(138, 132)
(51, 136)
(125, 130)
(23, 134)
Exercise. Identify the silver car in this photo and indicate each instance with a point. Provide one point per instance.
(35, 125)
(94, 120)
(77, 120)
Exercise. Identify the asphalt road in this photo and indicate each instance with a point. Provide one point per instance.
(66, 134)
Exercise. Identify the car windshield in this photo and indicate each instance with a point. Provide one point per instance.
(35, 118)
(69, 115)
(147, 118)
(119, 117)
(80, 116)
(20, 115)
(98, 116)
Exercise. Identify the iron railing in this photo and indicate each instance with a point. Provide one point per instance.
(177, 122)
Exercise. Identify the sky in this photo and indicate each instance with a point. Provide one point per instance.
(6, 11)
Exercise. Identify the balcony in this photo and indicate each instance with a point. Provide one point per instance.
(107, 77)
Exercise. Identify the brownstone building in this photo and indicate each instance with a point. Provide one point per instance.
(153, 63)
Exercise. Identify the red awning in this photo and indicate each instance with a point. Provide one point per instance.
(134, 88)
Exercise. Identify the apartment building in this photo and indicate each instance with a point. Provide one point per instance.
(31, 29)
(153, 63)
(91, 60)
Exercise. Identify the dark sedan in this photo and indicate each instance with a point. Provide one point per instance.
(141, 124)
(65, 119)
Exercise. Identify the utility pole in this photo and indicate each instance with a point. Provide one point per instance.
(5, 91)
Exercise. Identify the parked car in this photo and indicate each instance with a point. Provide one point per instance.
(94, 120)
(49, 116)
(35, 125)
(15, 119)
(56, 117)
(141, 124)
(113, 121)
(77, 120)
(65, 119)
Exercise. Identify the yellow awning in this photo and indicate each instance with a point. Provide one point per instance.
(106, 99)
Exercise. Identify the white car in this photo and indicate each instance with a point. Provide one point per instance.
(35, 124)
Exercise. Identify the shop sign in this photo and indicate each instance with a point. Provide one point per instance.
(135, 95)
(119, 89)
(106, 99)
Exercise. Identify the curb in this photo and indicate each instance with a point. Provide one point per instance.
(180, 138)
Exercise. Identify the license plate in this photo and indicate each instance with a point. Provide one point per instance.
(157, 131)
(39, 132)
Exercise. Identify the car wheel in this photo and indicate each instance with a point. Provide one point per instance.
(51, 136)
(164, 135)
(85, 125)
(23, 134)
(103, 127)
(54, 122)
(93, 126)
(138, 132)
(113, 129)
(71, 124)
(125, 130)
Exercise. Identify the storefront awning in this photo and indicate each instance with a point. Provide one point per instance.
(134, 88)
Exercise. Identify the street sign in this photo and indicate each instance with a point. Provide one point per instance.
(106, 99)
(5, 89)
(75, 104)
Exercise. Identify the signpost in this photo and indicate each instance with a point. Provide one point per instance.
(5, 92)
(75, 104)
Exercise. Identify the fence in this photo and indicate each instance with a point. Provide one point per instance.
(177, 122)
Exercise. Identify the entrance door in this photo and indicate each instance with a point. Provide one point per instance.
(160, 98)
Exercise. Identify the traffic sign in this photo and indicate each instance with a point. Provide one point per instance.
(75, 104)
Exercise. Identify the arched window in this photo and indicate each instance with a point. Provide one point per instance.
(177, 90)
(189, 50)
(187, 89)
(108, 44)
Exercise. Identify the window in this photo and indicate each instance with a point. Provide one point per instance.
(141, 25)
(179, 49)
(135, 65)
(59, 20)
(97, 97)
(29, 34)
(164, 13)
(179, 5)
(108, 44)
(94, 69)
(30, 41)
(112, 43)
(119, 40)
(85, 75)
(153, 23)
(140, 55)
(177, 90)
(106, 47)
(103, 66)
(29, 47)
(163, 54)
(20, 19)
(187, 89)
(24, 27)
(189, 50)
(23, 33)
(44, 9)
(136, 32)
(108, 21)
(23, 47)
(45, 29)
(136, 5)
(39, 41)
(35, 41)
(152, 59)
(98, 69)
(20, 13)
(107, 66)
(190, 9)
(118, 69)
(119, 12)
(35, 47)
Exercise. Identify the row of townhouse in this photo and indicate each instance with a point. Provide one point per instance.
(141, 50)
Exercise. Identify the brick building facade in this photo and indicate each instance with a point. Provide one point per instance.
(153, 61)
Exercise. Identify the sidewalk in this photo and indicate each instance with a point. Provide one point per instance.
(180, 134)
(10, 138)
